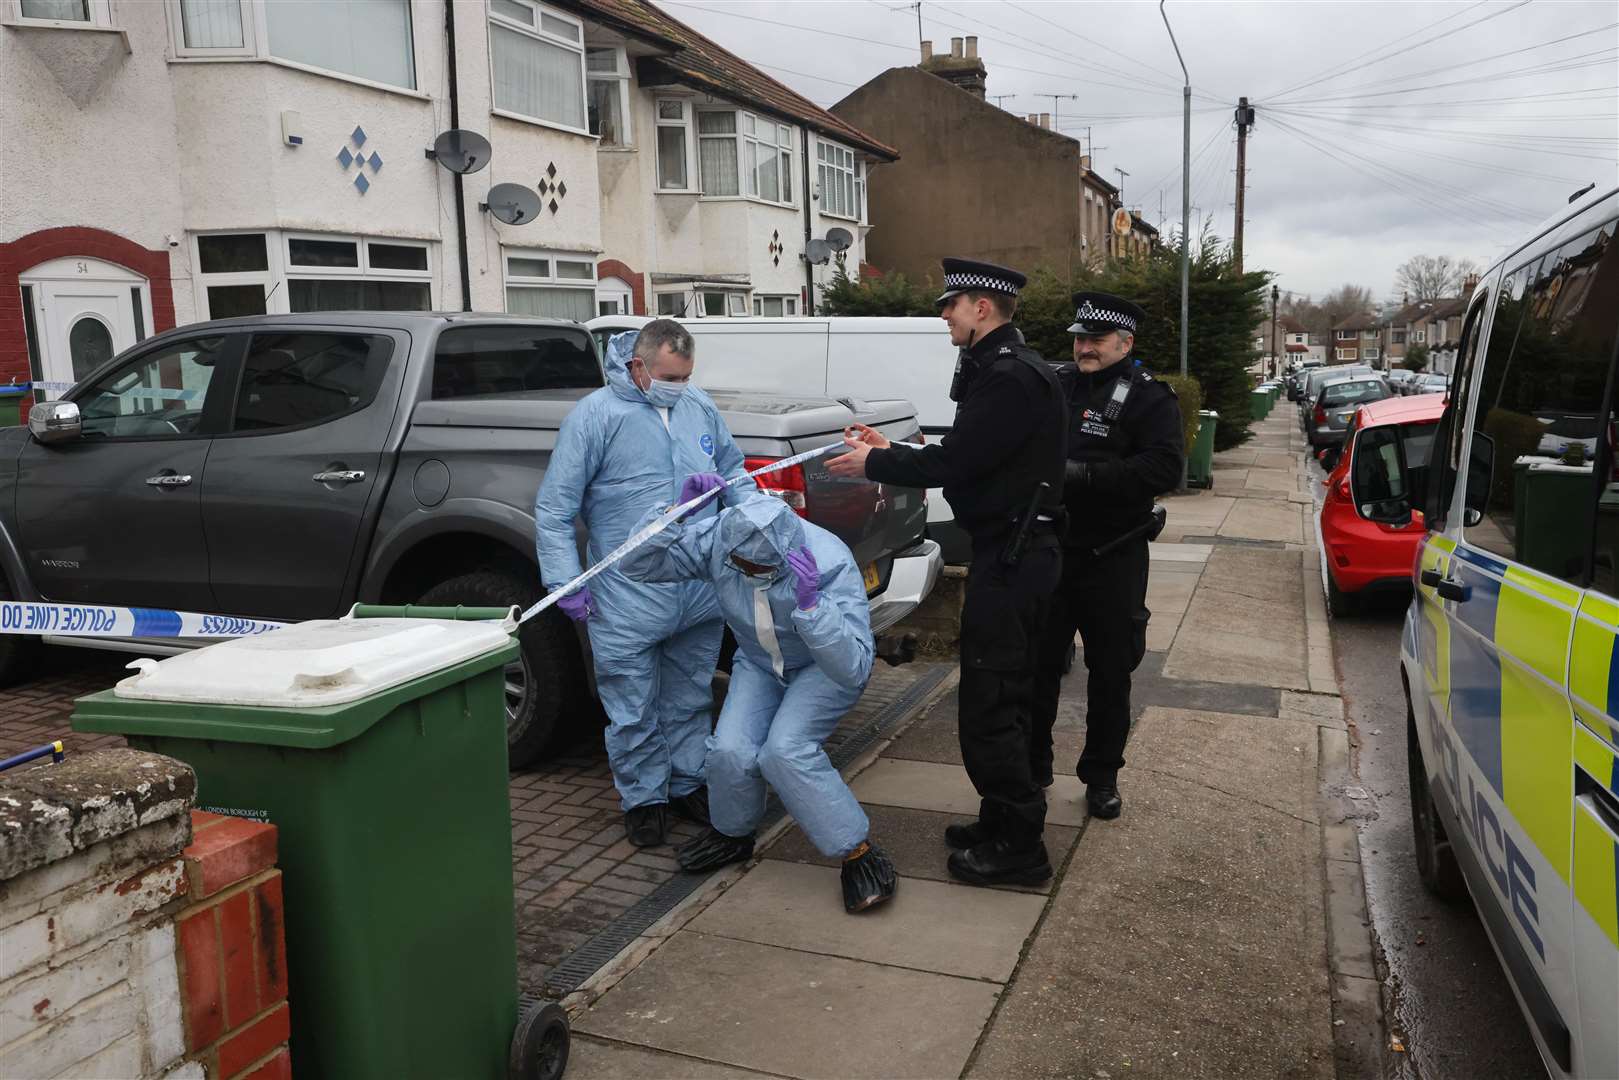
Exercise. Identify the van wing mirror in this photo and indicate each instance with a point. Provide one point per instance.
(54, 422)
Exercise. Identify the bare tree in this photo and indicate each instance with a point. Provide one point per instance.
(1431, 277)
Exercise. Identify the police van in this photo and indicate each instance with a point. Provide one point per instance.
(1510, 649)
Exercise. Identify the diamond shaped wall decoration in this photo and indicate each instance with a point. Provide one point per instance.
(551, 170)
(553, 206)
(542, 187)
(344, 158)
(362, 183)
(376, 162)
(562, 189)
(358, 136)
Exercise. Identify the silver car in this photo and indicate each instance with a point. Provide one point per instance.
(1335, 408)
(1319, 377)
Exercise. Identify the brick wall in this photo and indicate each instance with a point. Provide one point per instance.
(137, 938)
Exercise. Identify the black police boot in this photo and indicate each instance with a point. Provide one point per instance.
(962, 837)
(713, 849)
(1001, 861)
(648, 825)
(868, 878)
(692, 806)
(1104, 801)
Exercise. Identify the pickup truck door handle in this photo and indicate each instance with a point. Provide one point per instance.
(1445, 587)
(339, 476)
(169, 480)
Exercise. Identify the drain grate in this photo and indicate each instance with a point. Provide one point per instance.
(572, 970)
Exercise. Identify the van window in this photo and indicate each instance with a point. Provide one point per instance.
(476, 361)
(1446, 463)
(1541, 408)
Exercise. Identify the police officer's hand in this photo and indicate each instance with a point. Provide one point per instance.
(861, 441)
(858, 434)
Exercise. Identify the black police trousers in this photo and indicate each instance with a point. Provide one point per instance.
(1105, 600)
(1001, 618)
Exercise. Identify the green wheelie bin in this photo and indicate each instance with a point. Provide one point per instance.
(1258, 404)
(11, 404)
(377, 747)
(1200, 455)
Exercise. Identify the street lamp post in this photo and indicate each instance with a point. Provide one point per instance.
(1186, 197)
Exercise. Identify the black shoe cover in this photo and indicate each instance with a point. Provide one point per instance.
(648, 825)
(1104, 801)
(962, 837)
(1000, 862)
(712, 850)
(868, 878)
(693, 806)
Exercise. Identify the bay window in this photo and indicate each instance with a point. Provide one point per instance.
(608, 103)
(771, 306)
(842, 181)
(369, 39)
(257, 273)
(537, 63)
(672, 145)
(742, 153)
(716, 152)
(556, 285)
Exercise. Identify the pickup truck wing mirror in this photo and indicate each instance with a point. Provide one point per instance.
(54, 422)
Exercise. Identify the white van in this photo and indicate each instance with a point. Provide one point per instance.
(860, 358)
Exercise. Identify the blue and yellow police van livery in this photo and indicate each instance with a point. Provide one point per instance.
(1510, 650)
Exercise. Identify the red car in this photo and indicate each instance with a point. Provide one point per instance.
(1370, 524)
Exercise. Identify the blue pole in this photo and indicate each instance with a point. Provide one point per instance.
(53, 749)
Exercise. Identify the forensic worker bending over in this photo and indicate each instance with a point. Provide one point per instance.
(630, 445)
(796, 602)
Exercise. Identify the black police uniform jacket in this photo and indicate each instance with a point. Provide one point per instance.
(1132, 458)
(1009, 435)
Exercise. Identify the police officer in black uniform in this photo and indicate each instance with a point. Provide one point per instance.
(1001, 467)
(1124, 447)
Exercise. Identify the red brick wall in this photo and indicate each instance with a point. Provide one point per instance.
(614, 268)
(21, 255)
(233, 953)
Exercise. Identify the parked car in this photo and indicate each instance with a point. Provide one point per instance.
(1335, 406)
(840, 358)
(1319, 377)
(1399, 378)
(1369, 527)
(286, 466)
(1295, 378)
(1429, 383)
(1507, 657)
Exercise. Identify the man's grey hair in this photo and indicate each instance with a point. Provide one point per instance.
(660, 332)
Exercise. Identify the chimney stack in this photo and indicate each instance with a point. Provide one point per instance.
(972, 47)
(927, 51)
(955, 48)
(961, 67)
(1033, 118)
(1045, 120)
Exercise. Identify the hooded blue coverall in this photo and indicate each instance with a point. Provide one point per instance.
(655, 646)
(795, 673)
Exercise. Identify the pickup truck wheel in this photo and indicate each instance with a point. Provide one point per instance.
(548, 679)
(18, 652)
(1436, 860)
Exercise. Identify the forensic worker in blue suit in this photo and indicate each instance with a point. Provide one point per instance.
(636, 443)
(796, 603)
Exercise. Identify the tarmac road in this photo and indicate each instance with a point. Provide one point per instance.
(1452, 1007)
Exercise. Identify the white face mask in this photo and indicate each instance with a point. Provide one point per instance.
(663, 393)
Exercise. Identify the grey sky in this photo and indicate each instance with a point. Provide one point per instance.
(1456, 169)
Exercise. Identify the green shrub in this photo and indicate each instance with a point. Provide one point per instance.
(1190, 396)
(891, 294)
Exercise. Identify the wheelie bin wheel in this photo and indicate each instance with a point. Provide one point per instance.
(540, 1044)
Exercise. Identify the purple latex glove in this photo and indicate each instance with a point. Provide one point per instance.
(578, 605)
(699, 484)
(806, 577)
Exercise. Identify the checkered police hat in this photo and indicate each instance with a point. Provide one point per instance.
(960, 275)
(1101, 313)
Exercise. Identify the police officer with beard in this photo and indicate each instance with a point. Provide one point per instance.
(1001, 467)
(1124, 448)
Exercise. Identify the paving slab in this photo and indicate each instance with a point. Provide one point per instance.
(1246, 622)
(1261, 759)
(1323, 710)
(1191, 945)
(1179, 553)
(1276, 459)
(1265, 519)
(914, 839)
(1272, 480)
(601, 1059)
(925, 785)
(793, 1013)
(800, 907)
(1241, 456)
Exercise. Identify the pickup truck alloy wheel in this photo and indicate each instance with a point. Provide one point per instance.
(547, 683)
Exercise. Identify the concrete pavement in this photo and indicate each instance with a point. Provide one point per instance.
(1217, 929)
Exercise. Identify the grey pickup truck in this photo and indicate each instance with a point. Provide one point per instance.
(287, 466)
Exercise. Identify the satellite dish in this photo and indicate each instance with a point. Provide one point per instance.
(818, 252)
(461, 151)
(839, 239)
(512, 204)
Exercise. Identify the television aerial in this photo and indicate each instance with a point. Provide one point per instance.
(839, 239)
(461, 151)
(512, 204)
(818, 252)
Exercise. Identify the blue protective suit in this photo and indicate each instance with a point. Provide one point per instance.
(795, 675)
(655, 647)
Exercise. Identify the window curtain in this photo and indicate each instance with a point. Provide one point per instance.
(369, 39)
(672, 157)
(553, 303)
(64, 10)
(536, 78)
(211, 24)
(716, 152)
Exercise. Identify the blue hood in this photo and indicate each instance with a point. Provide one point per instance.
(762, 530)
(616, 365)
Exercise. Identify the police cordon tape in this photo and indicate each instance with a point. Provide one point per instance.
(102, 620)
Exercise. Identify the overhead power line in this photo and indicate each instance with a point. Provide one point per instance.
(1496, 76)
(1351, 62)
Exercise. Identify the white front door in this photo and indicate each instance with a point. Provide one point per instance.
(86, 311)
